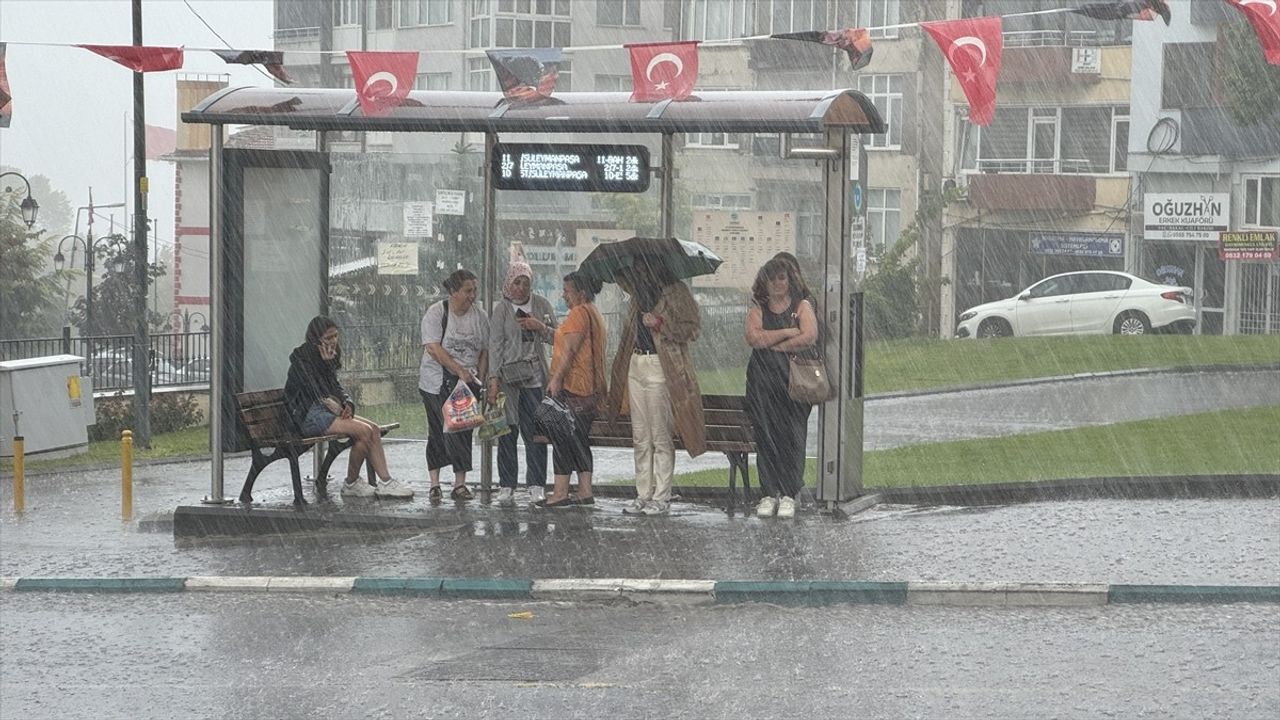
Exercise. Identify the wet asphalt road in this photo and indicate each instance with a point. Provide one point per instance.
(208, 656)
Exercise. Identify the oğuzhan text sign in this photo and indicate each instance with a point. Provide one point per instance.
(572, 167)
(1185, 216)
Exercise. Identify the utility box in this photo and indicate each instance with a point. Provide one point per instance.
(48, 402)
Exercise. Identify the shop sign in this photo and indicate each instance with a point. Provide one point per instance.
(1104, 246)
(1249, 245)
(1185, 216)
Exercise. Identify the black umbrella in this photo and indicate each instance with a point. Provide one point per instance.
(681, 258)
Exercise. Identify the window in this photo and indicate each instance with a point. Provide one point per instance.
(1262, 201)
(725, 141)
(1052, 287)
(1100, 282)
(424, 12)
(886, 92)
(782, 16)
(720, 19)
(884, 217)
(1189, 77)
(671, 14)
(617, 12)
(346, 12)
(384, 12)
(432, 81)
(722, 202)
(479, 74)
(520, 23)
(878, 13)
(613, 83)
(1083, 139)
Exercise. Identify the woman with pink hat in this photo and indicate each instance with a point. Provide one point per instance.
(521, 326)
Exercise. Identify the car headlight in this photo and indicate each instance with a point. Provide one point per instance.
(968, 316)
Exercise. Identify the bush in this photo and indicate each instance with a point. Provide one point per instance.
(170, 412)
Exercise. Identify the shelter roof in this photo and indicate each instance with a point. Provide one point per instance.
(800, 111)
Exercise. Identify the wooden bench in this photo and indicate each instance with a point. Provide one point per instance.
(269, 428)
(729, 430)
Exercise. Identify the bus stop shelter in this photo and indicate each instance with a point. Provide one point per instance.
(241, 350)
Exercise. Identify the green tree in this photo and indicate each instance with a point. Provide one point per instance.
(29, 295)
(1251, 86)
(114, 290)
(893, 294)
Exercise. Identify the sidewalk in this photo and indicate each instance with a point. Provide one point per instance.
(72, 529)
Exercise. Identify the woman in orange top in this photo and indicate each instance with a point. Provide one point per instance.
(577, 380)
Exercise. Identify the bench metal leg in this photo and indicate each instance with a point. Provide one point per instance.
(291, 452)
(746, 479)
(260, 462)
(733, 480)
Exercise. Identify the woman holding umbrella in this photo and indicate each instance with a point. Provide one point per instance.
(653, 376)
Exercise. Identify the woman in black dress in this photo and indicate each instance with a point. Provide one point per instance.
(781, 322)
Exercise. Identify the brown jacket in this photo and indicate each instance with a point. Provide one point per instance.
(680, 326)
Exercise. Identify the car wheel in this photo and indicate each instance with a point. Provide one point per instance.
(994, 328)
(1132, 323)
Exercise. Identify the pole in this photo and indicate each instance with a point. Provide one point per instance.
(126, 476)
(19, 475)
(90, 328)
(216, 319)
(490, 281)
(141, 333)
(668, 182)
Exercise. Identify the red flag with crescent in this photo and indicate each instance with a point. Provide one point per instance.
(382, 79)
(662, 71)
(141, 58)
(1264, 16)
(6, 97)
(973, 47)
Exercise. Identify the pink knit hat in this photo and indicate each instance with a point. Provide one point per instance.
(519, 267)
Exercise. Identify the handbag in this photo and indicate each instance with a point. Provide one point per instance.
(495, 423)
(555, 420)
(520, 372)
(808, 382)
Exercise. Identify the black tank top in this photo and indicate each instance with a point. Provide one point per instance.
(771, 366)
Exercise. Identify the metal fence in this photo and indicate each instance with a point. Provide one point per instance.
(175, 358)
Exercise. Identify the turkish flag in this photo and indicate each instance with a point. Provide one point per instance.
(383, 79)
(973, 48)
(662, 71)
(6, 98)
(1264, 16)
(141, 58)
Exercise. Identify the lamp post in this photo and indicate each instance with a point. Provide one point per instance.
(90, 247)
(30, 208)
(187, 317)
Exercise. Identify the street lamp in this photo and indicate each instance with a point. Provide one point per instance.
(90, 246)
(187, 317)
(30, 208)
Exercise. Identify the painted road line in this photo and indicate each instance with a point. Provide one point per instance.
(1003, 594)
(684, 592)
(7, 583)
(115, 585)
(245, 583)
(311, 584)
(1208, 594)
(574, 588)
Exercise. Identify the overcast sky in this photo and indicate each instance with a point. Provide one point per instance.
(71, 107)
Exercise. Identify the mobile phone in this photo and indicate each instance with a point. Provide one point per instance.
(522, 314)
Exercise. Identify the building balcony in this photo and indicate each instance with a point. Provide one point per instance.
(1031, 192)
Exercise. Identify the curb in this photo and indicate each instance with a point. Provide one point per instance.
(793, 593)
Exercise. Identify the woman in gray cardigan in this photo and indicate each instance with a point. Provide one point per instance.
(521, 325)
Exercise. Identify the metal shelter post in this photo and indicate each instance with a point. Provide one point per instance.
(668, 184)
(490, 279)
(841, 436)
(321, 448)
(217, 319)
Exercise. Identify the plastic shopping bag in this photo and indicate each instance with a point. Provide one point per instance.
(495, 421)
(461, 410)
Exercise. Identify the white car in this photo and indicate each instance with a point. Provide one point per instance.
(1083, 303)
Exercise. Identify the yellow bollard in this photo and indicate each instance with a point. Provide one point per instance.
(126, 475)
(19, 481)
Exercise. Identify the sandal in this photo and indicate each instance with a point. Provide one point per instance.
(461, 492)
(435, 495)
(567, 501)
(588, 500)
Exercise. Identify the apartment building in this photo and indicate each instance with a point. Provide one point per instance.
(1186, 148)
(1046, 185)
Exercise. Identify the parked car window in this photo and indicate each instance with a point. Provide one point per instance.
(1105, 282)
(1051, 287)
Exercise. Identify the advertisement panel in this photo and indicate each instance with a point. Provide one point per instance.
(746, 241)
(1105, 246)
(1248, 245)
(1185, 216)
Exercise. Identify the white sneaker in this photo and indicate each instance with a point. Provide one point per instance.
(537, 493)
(635, 507)
(506, 496)
(767, 507)
(655, 507)
(393, 488)
(787, 508)
(359, 488)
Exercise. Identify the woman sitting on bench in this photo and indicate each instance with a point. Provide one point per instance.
(318, 405)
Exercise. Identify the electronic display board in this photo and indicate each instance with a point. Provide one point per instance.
(571, 167)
